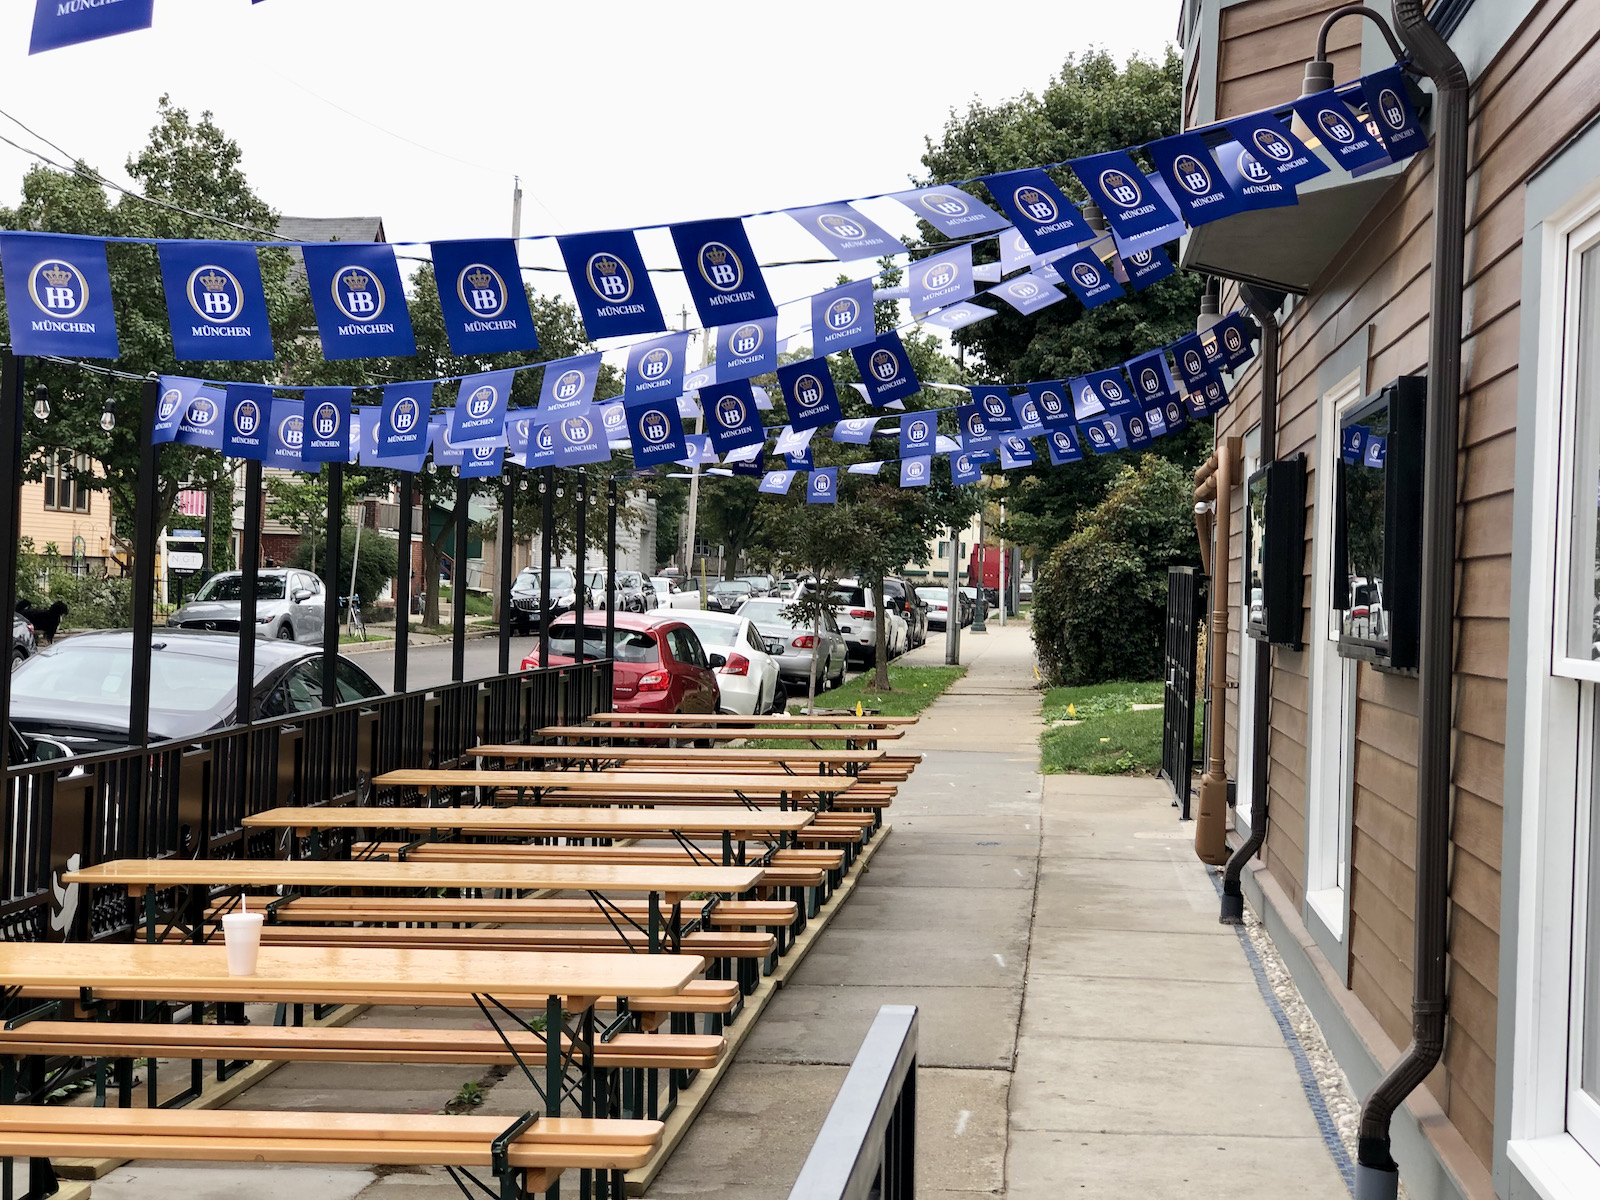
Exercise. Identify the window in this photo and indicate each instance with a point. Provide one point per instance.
(353, 683)
(61, 493)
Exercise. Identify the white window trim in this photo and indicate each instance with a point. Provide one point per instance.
(1552, 1160)
(1249, 649)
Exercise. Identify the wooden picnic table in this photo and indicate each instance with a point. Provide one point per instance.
(691, 758)
(785, 733)
(631, 784)
(739, 823)
(764, 722)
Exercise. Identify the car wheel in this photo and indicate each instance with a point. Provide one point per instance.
(286, 633)
(780, 698)
(838, 680)
(18, 657)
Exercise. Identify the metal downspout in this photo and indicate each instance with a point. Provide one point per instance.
(1232, 891)
(1211, 810)
(1377, 1176)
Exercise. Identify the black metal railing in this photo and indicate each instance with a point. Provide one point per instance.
(867, 1146)
(1184, 596)
(191, 798)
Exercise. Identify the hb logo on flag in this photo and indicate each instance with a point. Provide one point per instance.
(655, 426)
(358, 294)
(919, 431)
(481, 290)
(730, 412)
(808, 390)
(202, 412)
(292, 432)
(1053, 404)
(1251, 169)
(324, 421)
(1030, 414)
(403, 419)
(58, 288)
(1394, 113)
(823, 483)
(842, 227)
(1112, 391)
(1120, 188)
(247, 418)
(1025, 289)
(994, 406)
(609, 277)
(654, 364)
(1086, 275)
(1336, 126)
(1149, 381)
(939, 277)
(1193, 363)
(615, 417)
(885, 366)
(567, 385)
(842, 313)
(914, 469)
(746, 339)
(170, 399)
(720, 267)
(1141, 258)
(945, 204)
(577, 429)
(215, 294)
(481, 402)
(1194, 177)
(1097, 435)
(1275, 146)
(545, 440)
(1036, 204)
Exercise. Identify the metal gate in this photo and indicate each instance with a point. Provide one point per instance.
(1184, 588)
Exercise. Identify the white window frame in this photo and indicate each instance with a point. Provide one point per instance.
(1558, 760)
(1249, 648)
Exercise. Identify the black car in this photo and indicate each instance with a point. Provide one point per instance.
(903, 596)
(76, 692)
(23, 643)
(523, 609)
(728, 594)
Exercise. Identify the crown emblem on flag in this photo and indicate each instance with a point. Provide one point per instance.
(716, 255)
(480, 278)
(56, 275)
(606, 266)
(356, 281)
(212, 281)
(1029, 195)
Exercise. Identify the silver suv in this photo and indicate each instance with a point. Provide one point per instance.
(290, 605)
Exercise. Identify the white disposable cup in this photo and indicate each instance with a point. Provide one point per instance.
(242, 933)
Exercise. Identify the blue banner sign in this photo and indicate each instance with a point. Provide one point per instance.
(216, 306)
(749, 348)
(842, 317)
(610, 284)
(481, 296)
(720, 268)
(359, 301)
(58, 296)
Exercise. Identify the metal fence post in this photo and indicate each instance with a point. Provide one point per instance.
(402, 584)
(502, 582)
(332, 552)
(547, 522)
(580, 497)
(611, 565)
(249, 573)
(10, 508)
(458, 584)
(146, 521)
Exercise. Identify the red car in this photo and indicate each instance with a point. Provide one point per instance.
(659, 664)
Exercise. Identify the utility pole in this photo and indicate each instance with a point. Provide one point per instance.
(980, 607)
(516, 206)
(952, 619)
(1002, 592)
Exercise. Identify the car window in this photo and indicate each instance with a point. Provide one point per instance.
(299, 691)
(753, 639)
(231, 586)
(353, 683)
(828, 623)
(686, 647)
(635, 646)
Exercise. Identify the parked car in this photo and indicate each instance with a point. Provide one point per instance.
(290, 605)
(792, 644)
(658, 663)
(23, 643)
(760, 585)
(1025, 592)
(728, 594)
(970, 595)
(856, 610)
(750, 681)
(635, 592)
(903, 596)
(77, 690)
(938, 601)
(523, 611)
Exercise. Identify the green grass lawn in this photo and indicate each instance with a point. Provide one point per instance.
(913, 689)
(477, 605)
(1110, 737)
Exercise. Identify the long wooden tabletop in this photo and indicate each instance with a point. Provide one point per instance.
(871, 722)
(673, 883)
(739, 823)
(629, 783)
(187, 972)
(691, 758)
(784, 733)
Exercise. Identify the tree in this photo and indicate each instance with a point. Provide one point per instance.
(1091, 105)
(1100, 599)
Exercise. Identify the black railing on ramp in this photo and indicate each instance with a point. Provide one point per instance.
(1184, 592)
(867, 1146)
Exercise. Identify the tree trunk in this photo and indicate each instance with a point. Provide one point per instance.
(880, 674)
(811, 682)
(429, 583)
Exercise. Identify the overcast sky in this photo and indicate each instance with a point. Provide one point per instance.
(613, 112)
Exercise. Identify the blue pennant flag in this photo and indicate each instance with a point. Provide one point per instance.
(697, 449)
(203, 421)
(732, 418)
(755, 467)
(286, 438)
(614, 420)
(1284, 156)
(1090, 280)
(480, 413)
(1042, 213)
(995, 403)
(403, 430)
(720, 268)
(1104, 434)
(973, 424)
(855, 431)
(216, 306)
(941, 279)
(776, 483)
(1141, 218)
(1152, 383)
(1155, 419)
(845, 232)
(364, 424)
(245, 409)
(482, 461)
(886, 369)
(519, 423)
(959, 316)
(1138, 432)
(914, 472)
(579, 439)
(1252, 182)
(1027, 293)
(1391, 112)
(568, 386)
(965, 467)
(173, 404)
(1099, 392)
(1027, 414)
(865, 468)
(746, 349)
(1144, 267)
(1214, 396)
(1233, 335)
(1016, 451)
(1353, 147)
(802, 460)
(481, 296)
(1354, 443)
(842, 317)
(1174, 418)
(541, 445)
(655, 368)
(1376, 452)
(1052, 399)
(1063, 446)
(1196, 183)
(917, 433)
(610, 284)
(808, 393)
(445, 452)
(1193, 367)
(57, 23)
(822, 485)
(951, 211)
(359, 300)
(58, 293)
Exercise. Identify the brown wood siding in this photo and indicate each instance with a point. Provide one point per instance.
(1263, 48)
(1544, 87)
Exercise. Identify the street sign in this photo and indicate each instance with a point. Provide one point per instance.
(185, 560)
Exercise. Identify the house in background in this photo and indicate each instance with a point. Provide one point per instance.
(76, 520)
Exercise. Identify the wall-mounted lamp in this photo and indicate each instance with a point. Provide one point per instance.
(1210, 312)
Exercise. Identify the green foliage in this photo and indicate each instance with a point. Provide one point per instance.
(1119, 743)
(379, 560)
(1094, 701)
(1100, 598)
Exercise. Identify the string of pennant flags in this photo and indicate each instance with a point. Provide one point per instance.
(60, 304)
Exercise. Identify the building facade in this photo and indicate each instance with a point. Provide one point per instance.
(1513, 1108)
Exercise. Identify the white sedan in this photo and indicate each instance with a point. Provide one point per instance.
(749, 679)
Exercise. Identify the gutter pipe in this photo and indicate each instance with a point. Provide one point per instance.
(1211, 810)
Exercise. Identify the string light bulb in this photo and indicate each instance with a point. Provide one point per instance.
(108, 415)
(41, 402)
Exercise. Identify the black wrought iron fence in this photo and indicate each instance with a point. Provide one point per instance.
(1184, 597)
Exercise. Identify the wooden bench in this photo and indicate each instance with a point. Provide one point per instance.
(534, 1154)
(436, 910)
(707, 944)
(788, 868)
